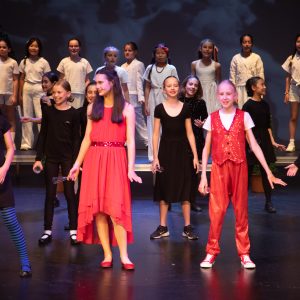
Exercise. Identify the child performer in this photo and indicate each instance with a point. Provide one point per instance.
(9, 72)
(208, 70)
(243, 66)
(7, 202)
(259, 111)
(135, 70)
(75, 69)
(191, 94)
(155, 74)
(111, 55)
(292, 90)
(227, 131)
(105, 201)
(292, 169)
(59, 142)
(176, 143)
(32, 68)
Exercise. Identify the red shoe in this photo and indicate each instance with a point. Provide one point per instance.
(128, 267)
(106, 264)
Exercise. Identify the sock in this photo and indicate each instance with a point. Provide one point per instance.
(16, 233)
(49, 232)
(73, 232)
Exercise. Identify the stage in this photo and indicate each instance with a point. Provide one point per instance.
(166, 268)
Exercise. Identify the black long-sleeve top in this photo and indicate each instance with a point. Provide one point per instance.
(59, 138)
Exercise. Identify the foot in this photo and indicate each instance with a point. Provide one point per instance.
(270, 208)
(128, 266)
(45, 239)
(73, 239)
(195, 207)
(188, 233)
(291, 147)
(161, 231)
(208, 261)
(25, 271)
(106, 263)
(246, 262)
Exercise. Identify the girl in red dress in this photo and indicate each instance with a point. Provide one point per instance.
(105, 200)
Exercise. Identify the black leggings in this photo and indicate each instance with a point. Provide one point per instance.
(265, 181)
(52, 170)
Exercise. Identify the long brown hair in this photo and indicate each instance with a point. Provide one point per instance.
(119, 100)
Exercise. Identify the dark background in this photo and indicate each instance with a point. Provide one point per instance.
(180, 24)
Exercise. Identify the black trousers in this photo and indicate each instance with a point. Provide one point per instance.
(265, 181)
(52, 170)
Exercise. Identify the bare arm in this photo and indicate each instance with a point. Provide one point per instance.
(193, 68)
(276, 145)
(15, 89)
(287, 88)
(203, 186)
(147, 92)
(130, 141)
(218, 73)
(155, 140)
(21, 85)
(8, 157)
(260, 156)
(191, 139)
(61, 75)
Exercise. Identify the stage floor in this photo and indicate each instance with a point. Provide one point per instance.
(166, 268)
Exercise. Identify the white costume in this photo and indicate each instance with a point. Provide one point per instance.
(207, 77)
(75, 73)
(156, 96)
(241, 69)
(8, 68)
(135, 72)
(292, 66)
(32, 93)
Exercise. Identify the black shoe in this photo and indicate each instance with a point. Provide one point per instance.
(45, 239)
(270, 208)
(73, 239)
(195, 207)
(25, 273)
(67, 227)
(161, 231)
(188, 233)
(56, 202)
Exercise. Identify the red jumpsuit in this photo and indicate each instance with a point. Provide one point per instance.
(229, 179)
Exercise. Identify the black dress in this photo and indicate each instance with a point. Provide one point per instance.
(198, 111)
(174, 183)
(261, 116)
(6, 192)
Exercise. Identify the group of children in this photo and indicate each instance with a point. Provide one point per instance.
(175, 119)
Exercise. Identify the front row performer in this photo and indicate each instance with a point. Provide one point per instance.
(104, 214)
(227, 131)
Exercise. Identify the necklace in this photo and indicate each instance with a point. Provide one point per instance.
(160, 70)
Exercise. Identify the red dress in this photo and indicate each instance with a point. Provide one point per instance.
(105, 185)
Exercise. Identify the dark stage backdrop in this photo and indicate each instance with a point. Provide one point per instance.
(180, 24)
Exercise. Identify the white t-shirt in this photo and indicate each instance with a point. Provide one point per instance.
(8, 68)
(122, 74)
(227, 120)
(34, 69)
(294, 69)
(75, 73)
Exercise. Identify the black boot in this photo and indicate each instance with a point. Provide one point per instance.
(269, 207)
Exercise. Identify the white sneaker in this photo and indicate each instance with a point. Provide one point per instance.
(208, 261)
(291, 147)
(246, 262)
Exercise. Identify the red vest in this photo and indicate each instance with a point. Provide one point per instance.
(228, 144)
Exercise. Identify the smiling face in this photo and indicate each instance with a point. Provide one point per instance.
(191, 87)
(47, 85)
(34, 49)
(259, 88)
(171, 87)
(207, 49)
(227, 95)
(74, 48)
(104, 86)
(4, 50)
(91, 93)
(60, 95)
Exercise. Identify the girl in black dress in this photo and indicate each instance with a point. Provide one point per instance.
(59, 143)
(259, 111)
(191, 94)
(173, 162)
(7, 202)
